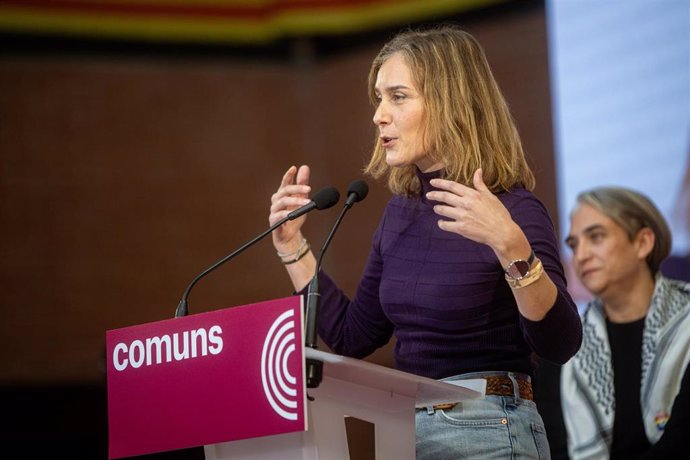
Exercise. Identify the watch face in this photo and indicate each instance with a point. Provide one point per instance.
(518, 269)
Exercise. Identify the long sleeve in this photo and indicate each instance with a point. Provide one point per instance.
(355, 328)
(558, 336)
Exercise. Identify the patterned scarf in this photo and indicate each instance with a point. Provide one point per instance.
(587, 394)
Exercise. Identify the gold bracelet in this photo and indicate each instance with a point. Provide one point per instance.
(534, 275)
(290, 254)
(299, 255)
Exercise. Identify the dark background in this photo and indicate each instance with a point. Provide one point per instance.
(127, 168)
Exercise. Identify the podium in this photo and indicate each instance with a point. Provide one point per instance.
(233, 380)
(385, 397)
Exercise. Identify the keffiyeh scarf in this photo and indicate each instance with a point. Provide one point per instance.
(587, 394)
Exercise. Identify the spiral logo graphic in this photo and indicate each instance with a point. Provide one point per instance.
(280, 387)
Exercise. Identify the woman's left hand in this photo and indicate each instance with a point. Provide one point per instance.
(475, 213)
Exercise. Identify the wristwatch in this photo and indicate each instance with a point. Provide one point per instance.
(519, 268)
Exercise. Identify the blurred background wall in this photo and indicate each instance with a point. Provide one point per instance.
(137, 148)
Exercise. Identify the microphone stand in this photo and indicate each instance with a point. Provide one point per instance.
(183, 307)
(314, 370)
(323, 199)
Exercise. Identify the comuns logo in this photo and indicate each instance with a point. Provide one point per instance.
(280, 387)
(156, 350)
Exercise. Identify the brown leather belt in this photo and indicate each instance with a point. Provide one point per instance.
(500, 385)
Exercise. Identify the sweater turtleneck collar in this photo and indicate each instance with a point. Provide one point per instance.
(425, 181)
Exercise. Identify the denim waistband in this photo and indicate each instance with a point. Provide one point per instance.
(485, 374)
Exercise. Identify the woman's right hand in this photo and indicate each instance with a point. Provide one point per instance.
(293, 193)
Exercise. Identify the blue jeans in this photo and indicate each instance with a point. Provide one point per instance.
(495, 427)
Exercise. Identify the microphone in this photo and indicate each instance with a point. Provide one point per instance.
(356, 192)
(323, 199)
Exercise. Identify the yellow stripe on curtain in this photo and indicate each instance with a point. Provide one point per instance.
(239, 21)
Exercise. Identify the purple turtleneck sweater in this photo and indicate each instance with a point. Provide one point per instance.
(445, 298)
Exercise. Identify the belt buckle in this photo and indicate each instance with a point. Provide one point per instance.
(444, 406)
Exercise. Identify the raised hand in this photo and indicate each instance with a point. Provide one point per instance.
(475, 213)
(293, 192)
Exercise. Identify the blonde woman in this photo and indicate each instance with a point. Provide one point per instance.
(464, 268)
